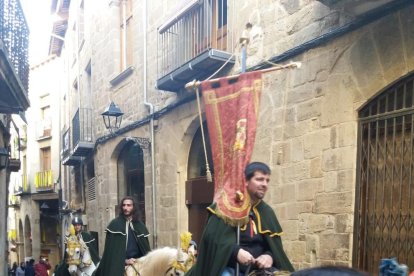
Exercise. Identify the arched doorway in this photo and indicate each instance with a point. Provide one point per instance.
(20, 243)
(27, 237)
(198, 191)
(384, 211)
(131, 178)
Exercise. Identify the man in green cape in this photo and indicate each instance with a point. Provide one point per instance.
(260, 243)
(126, 240)
(62, 269)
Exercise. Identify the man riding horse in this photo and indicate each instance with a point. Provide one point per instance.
(126, 240)
(83, 238)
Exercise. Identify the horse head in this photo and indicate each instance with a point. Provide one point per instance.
(73, 252)
(186, 255)
(184, 261)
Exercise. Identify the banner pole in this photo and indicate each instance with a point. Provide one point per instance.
(244, 42)
(193, 84)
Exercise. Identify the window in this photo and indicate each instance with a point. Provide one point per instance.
(74, 43)
(46, 121)
(45, 161)
(81, 24)
(126, 33)
(88, 85)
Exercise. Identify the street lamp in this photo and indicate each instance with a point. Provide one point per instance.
(112, 117)
(4, 158)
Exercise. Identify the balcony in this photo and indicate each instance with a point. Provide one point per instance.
(68, 159)
(194, 43)
(14, 201)
(23, 187)
(82, 132)
(14, 66)
(44, 181)
(14, 164)
(44, 129)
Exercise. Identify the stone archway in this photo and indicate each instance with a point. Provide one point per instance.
(198, 191)
(385, 192)
(131, 175)
(21, 242)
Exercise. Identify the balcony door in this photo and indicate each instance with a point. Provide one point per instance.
(45, 159)
(219, 28)
(209, 25)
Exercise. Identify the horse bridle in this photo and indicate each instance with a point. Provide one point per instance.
(174, 269)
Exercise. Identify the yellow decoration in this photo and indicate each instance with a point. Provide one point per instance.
(72, 230)
(240, 135)
(185, 240)
(12, 235)
(239, 196)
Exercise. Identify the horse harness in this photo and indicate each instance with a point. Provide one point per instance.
(73, 243)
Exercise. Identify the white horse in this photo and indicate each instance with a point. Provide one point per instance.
(166, 261)
(78, 257)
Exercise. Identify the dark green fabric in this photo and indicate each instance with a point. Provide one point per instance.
(62, 269)
(113, 259)
(218, 239)
(92, 246)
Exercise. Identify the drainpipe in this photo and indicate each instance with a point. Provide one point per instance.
(80, 109)
(124, 36)
(151, 110)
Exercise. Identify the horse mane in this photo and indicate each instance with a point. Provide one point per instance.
(157, 261)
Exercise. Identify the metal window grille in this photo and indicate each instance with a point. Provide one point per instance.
(92, 189)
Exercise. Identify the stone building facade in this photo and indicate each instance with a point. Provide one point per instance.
(310, 131)
(37, 184)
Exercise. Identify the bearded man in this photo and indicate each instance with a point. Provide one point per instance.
(260, 246)
(126, 240)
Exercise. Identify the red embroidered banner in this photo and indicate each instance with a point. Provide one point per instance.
(231, 111)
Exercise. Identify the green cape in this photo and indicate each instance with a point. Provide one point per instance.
(113, 259)
(219, 238)
(92, 246)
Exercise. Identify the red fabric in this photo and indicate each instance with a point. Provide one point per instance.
(231, 112)
(41, 269)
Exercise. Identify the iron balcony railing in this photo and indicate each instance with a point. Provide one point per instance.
(66, 143)
(44, 181)
(200, 26)
(67, 149)
(14, 200)
(14, 33)
(82, 126)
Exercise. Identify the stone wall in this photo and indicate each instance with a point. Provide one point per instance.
(309, 118)
(307, 127)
